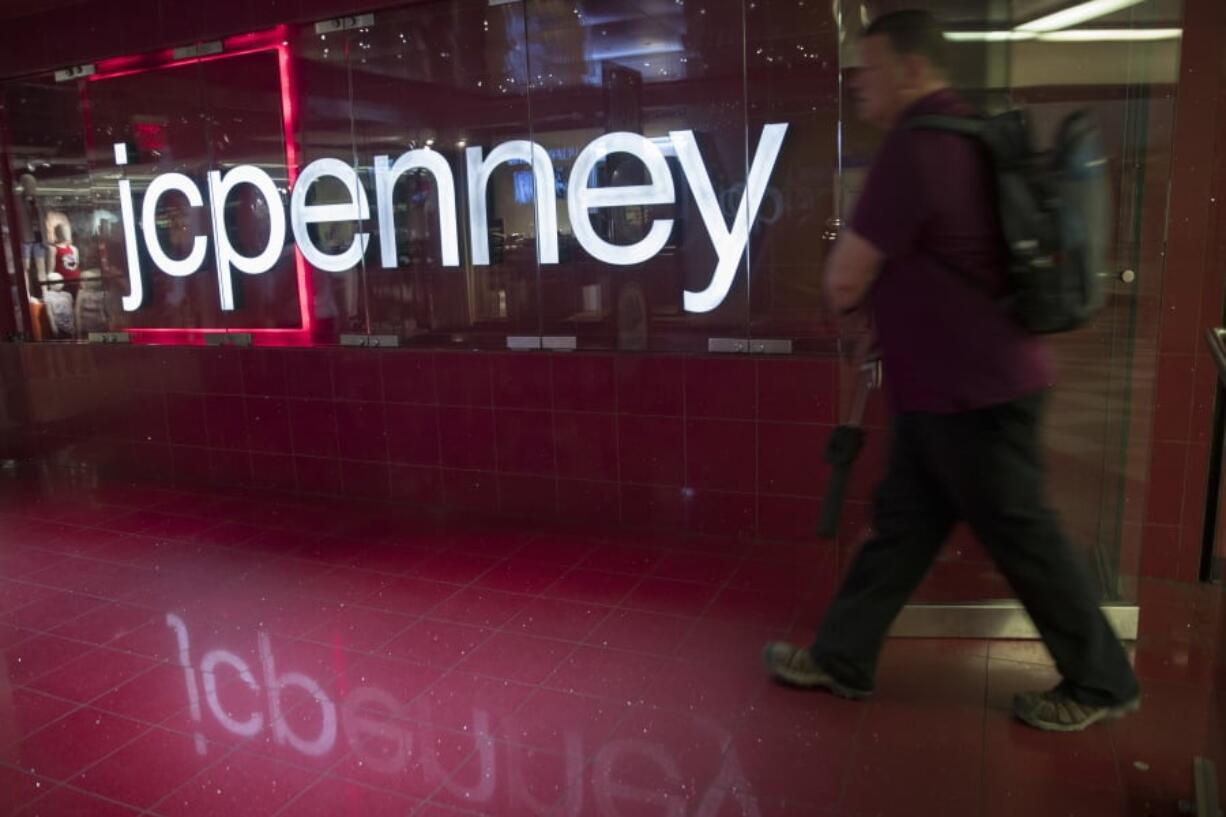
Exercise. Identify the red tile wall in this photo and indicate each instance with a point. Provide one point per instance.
(729, 445)
(1192, 299)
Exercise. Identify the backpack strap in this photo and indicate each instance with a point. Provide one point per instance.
(975, 128)
(964, 125)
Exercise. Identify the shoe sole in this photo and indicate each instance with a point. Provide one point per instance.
(1114, 713)
(784, 676)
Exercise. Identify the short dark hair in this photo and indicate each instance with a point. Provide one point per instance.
(912, 31)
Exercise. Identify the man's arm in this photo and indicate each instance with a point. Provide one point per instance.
(853, 266)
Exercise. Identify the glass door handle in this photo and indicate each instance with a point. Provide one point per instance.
(1217, 347)
(832, 228)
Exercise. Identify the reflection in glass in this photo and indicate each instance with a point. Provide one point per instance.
(1121, 67)
(60, 245)
(462, 69)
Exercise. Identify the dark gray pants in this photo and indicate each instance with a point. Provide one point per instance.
(984, 467)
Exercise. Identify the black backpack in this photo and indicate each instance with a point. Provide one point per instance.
(1055, 211)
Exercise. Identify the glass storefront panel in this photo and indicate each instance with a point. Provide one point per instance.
(442, 140)
(61, 233)
(323, 130)
(159, 118)
(643, 273)
(792, 66)
(193, 145)
(461, 124)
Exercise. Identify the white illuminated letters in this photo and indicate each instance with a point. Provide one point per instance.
(220, 188)
(136, 284)
(385, 186)
(148, 216)
(728, 240)
(729, 243)
(302, 214)
(580, 198)
(479, 172)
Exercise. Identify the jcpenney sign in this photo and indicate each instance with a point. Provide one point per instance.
(729, 241)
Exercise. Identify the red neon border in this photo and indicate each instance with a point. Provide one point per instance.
(254, 42)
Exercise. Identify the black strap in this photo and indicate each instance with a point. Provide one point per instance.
(964, 125)
(841, 451)
(974, 128)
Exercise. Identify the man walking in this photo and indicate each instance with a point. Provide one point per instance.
(924, 256)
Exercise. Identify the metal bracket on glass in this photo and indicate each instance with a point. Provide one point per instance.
(740, 346)
(228, 339)
(198, 50)
(344, 23)
(75, 72)
(109, 337)
(770, 346)
(727, 346)
(371, 341)
(550, 343)
(560, 343)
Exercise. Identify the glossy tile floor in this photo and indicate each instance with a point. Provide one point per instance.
(188, 654)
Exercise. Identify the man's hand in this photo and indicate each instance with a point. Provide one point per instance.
(851, 270)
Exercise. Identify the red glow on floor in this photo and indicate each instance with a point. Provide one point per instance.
(189, 653)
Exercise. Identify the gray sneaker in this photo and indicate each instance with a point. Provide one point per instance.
(1056, 711)
(795, 666)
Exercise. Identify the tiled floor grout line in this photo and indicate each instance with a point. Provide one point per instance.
(227, 750)
(454, 667)
(377, 651)
(627, 710)
(28, 808)
(152, 811)
(67, 783)
(537, 687)
(613, 609)
(309, 554)
(238, 549)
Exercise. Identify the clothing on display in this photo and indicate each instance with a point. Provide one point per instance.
(30, 211)
(67, 262)
(93, 315)
(33, 214)
(60, 312)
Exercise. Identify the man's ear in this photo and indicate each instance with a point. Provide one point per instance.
(916, 69)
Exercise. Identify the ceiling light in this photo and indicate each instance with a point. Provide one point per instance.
(1077, 14)
(988, 36)
(1079, 35)
(1089, 35)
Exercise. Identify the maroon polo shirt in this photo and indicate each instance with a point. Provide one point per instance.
(929, 205)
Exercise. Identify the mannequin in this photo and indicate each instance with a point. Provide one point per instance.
(92, 312)
(30, 230)
(63, 258)
(60, 313)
